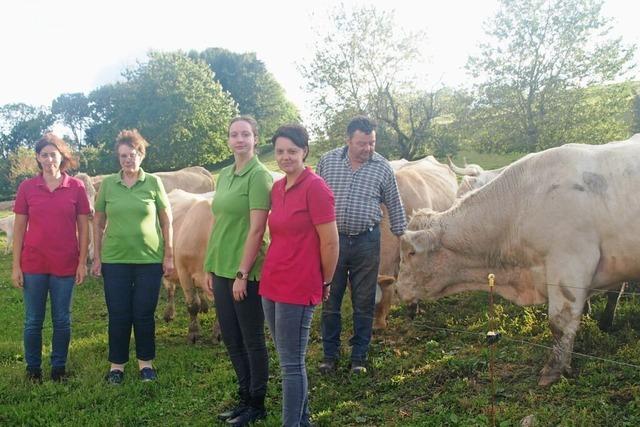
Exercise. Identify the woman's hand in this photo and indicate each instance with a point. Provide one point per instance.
(167, 265)
(81, 273)
(96, 267)
(326, 290)
(17, 278)
(239, 289)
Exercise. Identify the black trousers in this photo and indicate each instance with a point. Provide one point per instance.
(242, 327)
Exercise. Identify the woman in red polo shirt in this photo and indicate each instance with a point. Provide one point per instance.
(49, 251)
(299, 264)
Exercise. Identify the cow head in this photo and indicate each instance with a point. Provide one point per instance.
(425, 264)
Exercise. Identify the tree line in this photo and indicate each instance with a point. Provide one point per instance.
(550, 73)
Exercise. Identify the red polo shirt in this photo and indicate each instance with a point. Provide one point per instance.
(292, 270)
(50, 242)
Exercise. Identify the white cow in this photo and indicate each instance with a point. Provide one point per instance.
(6, 225)
(554, 227)
(473, 176)
(424, 183)
(192, 222)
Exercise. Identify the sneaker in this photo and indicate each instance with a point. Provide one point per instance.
(248, 416)
(115, 377)
(327, 366)
(58, 373)
(233, 412)
(357, 367)
(148, 374)
(34, 375)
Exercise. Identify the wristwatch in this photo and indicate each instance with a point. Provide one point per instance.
(242, 276)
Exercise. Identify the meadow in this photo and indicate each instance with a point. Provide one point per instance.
(430, 370)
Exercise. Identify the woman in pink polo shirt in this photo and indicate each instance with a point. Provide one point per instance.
(299, 264)
(49, 251)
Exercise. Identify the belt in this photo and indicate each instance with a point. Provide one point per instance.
(367, 230)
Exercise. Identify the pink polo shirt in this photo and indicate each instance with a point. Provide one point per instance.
(292, 270)
(50, 242)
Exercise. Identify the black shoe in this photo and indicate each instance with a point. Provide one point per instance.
(358, 367)
(148, 374)
(328, 366)
(233, 412)
(58, 374)
(34, 375)
(115, 377)
(248, 416)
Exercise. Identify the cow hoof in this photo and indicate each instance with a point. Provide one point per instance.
(204, 306)
(169, 315)
(548, 377)
(193, 337)
(379, 326)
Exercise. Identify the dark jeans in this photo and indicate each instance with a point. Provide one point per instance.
(131, 292)
(35, 291)
(242, 327)
(358, 264)
(290, 325)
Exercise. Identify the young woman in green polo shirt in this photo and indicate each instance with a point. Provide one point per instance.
(234, 259)
(135, 253)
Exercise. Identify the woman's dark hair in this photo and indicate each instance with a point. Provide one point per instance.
(296, 133)
(68, 161)
(133, 139)
(249, 119)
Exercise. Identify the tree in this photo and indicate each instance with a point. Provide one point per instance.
(176, 105)
(362, 66)
(21, 125)
(72, 110)
(542, 52)
(252, 86)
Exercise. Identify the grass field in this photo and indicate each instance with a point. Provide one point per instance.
(429, 371)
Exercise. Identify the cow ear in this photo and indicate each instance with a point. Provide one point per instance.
(418, 241)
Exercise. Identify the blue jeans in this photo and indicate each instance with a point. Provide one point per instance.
(131, 292)
(290, 325)
(358, 263)
(35, 290)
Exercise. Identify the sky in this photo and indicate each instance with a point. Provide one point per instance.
(65, 46)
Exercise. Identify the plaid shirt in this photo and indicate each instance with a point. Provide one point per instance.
(359, 193)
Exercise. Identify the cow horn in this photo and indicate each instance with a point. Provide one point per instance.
(467, 171)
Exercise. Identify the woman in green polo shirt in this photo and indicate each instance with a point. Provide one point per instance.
(234, 259)
(135, 253)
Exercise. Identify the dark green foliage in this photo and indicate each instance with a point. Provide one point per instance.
(175, 104)
(252, 86)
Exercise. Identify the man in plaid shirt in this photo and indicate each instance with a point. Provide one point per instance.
(361, 180)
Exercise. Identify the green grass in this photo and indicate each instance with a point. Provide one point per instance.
(420, 374)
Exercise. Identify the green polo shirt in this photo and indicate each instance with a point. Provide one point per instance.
(237, 193)
(133, 234)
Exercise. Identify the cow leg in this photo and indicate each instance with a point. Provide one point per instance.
(566, 304)
(204, 305)
(170, 310)
(385, 284)
(613, 298)
(192, 299)
(216, 333)
(193, 307)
